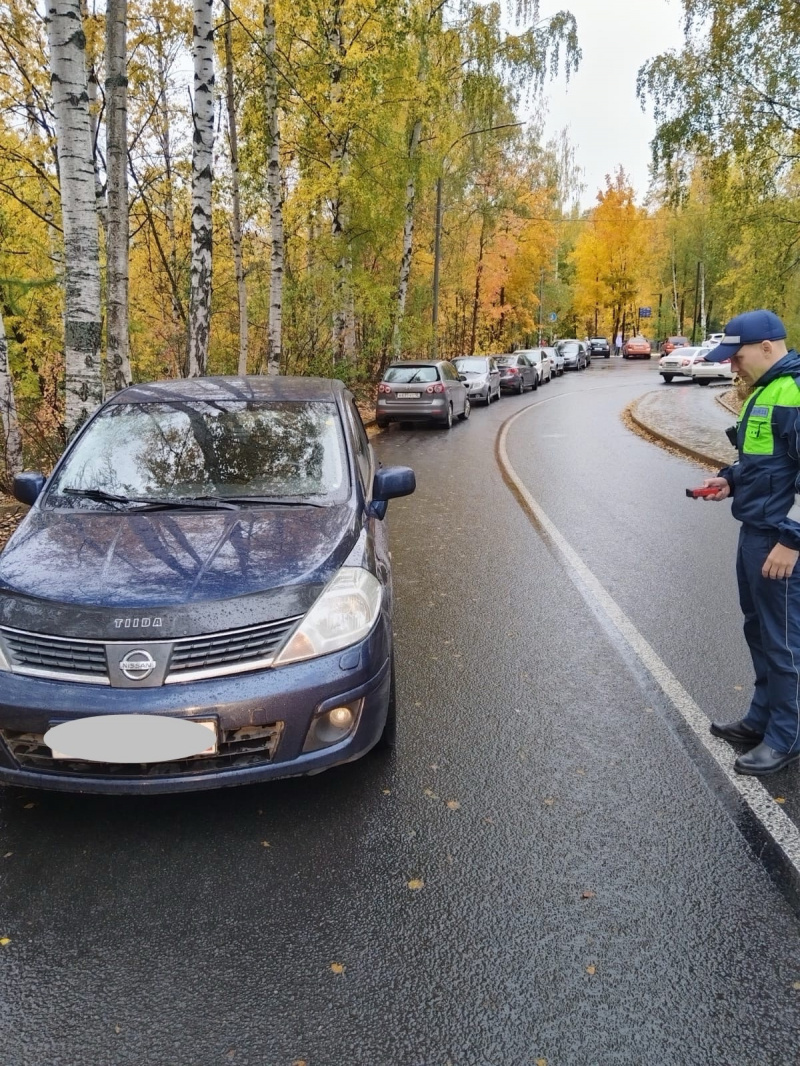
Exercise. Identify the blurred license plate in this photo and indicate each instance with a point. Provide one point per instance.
(407, 395)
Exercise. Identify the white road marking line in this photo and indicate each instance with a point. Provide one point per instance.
(776, 822)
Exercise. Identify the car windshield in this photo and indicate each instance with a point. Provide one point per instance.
(181, 450)
(569, 347)
(405, 375)
(471, 365)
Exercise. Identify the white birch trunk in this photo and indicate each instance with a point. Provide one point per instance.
(236, 221)
(82, 315)
(118, 363)
(408, 244)
(274, 196)
(343, 315)
(99, 191)
(202, 158)
(8, 410)
(703, 300)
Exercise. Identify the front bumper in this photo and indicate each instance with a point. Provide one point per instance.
(286, 698)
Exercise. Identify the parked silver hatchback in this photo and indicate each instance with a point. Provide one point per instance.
(483, 377)
(422, 391)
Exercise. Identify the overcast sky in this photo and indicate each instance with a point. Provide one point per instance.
(606, 123)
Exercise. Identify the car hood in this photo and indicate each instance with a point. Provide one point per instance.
(60, 562)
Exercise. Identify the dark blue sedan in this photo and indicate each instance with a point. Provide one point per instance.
(201, 594)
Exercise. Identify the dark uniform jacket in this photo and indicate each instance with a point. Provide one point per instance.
(765, 482)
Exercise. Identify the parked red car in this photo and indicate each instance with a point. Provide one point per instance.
(636, 348)
(671, 343)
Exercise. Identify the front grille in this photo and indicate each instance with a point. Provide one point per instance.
(230, 652)
(253, 745)
(192, 658)
(56, 657)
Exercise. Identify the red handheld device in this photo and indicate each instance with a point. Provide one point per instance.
(694, 494)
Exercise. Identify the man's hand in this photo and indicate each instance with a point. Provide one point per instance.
(780, 562)
(717, 483)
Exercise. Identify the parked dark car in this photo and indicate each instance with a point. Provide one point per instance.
(482, 374)
(574, 352)
(517, 373)
(422, 391)
(599, 346)
(207, 562)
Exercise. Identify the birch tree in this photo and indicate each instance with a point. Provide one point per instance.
(274, 194)
(202, 159)
(8, 410)
(82, 313)
(118, 365)
(236, 207)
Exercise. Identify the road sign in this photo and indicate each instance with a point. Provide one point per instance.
(553, 316)
(645, 312)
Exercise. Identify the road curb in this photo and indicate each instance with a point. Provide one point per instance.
(664, 438)
(721, 401)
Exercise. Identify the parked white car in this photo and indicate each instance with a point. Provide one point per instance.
(713, 339)
(556, 360)
(540, 359)
(704, 373)
(679, 363)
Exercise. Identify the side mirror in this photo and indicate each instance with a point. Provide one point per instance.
(28, 487)
(388, 484)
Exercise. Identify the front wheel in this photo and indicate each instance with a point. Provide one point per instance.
(667, 377)
(703, 381)
(383, 423)
(535, 383)
(465, 413)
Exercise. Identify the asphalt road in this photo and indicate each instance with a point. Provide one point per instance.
(585, 891)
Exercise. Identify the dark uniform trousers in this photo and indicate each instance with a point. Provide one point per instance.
(771, 611)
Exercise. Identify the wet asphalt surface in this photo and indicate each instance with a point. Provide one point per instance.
(588, 896)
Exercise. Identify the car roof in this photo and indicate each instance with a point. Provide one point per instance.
(255, 387)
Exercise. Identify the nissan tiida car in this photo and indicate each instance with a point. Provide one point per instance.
(201, 593)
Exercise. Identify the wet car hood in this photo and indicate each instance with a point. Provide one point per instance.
(79, 569)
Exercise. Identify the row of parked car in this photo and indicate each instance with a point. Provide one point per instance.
(439, 391)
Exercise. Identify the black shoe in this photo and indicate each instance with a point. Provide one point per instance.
(764, 760)
(737, 733)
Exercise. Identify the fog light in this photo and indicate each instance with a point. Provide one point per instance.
(341, 717)
(332, 726)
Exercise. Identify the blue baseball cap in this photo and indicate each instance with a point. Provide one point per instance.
(752, 327)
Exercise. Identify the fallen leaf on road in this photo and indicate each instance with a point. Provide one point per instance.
(265, 844)
(387, 792)
(795, 984)
(434, 766)
(591, 969)
(454, 805)
(580, 770)
(489, 821)
(780, 799)
(541, 1062)
(8, 854)
(5, 940)
(260, 812)
(738, 688)
(649, 710)
(549, 802)
(29, 805)
(588, 894)
(231, 1055)
(299, 1062)
(337, 967)
(117, 1029)
(415, 884)
(430, 794)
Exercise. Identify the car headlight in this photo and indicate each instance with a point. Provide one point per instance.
(345, 612)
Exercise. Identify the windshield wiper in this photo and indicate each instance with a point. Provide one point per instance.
(153, 503)
(278, 501)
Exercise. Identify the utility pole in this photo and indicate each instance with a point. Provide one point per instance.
(541, 304)
(696, 299)
(437, 242)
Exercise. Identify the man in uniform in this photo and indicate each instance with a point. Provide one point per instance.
(765, 486)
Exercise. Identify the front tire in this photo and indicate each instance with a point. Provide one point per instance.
(465, 413)
(667, 377)
(383, 423)
(703, 381)
(535, 384)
